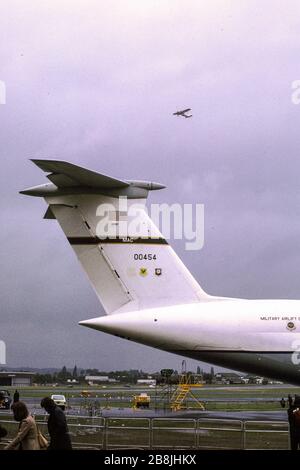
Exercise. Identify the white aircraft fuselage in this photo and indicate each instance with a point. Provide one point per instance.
(255, 336)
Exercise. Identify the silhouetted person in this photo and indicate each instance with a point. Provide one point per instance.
(57, 426)
(290, 400)
(27, 435)
(282, 402)
(16, 396)
(294, 422)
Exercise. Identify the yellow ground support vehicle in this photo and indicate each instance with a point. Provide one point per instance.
(85, 393)
(141, 401)
(187, 383)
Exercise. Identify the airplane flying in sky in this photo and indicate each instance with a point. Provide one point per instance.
(183, 113)
(148, 294)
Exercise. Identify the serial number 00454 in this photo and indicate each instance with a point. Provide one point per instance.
(141, 256)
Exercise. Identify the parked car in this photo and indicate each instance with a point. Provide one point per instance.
(60, 400)
(5, 399)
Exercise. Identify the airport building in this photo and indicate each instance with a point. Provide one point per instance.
(96, 379)
(228, 378)
(16, 379)
(146, 382)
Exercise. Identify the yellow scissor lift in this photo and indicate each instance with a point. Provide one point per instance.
(183, 391)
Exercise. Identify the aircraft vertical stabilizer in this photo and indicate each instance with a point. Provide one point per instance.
(129, 269)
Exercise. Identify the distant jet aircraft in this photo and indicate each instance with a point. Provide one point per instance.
(148, 294)
(183, 113)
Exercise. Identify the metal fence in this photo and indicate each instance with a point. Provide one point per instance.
(167, 433)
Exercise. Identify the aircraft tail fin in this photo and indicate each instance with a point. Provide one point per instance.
(128, 261)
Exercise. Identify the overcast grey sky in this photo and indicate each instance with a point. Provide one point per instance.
(96, 83)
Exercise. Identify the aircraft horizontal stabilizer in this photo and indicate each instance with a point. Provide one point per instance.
(64, 174)
(67, 178)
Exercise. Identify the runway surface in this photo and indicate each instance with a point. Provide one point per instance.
(280, 415)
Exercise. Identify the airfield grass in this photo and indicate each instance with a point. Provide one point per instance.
(207, 391)
(214, 398)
